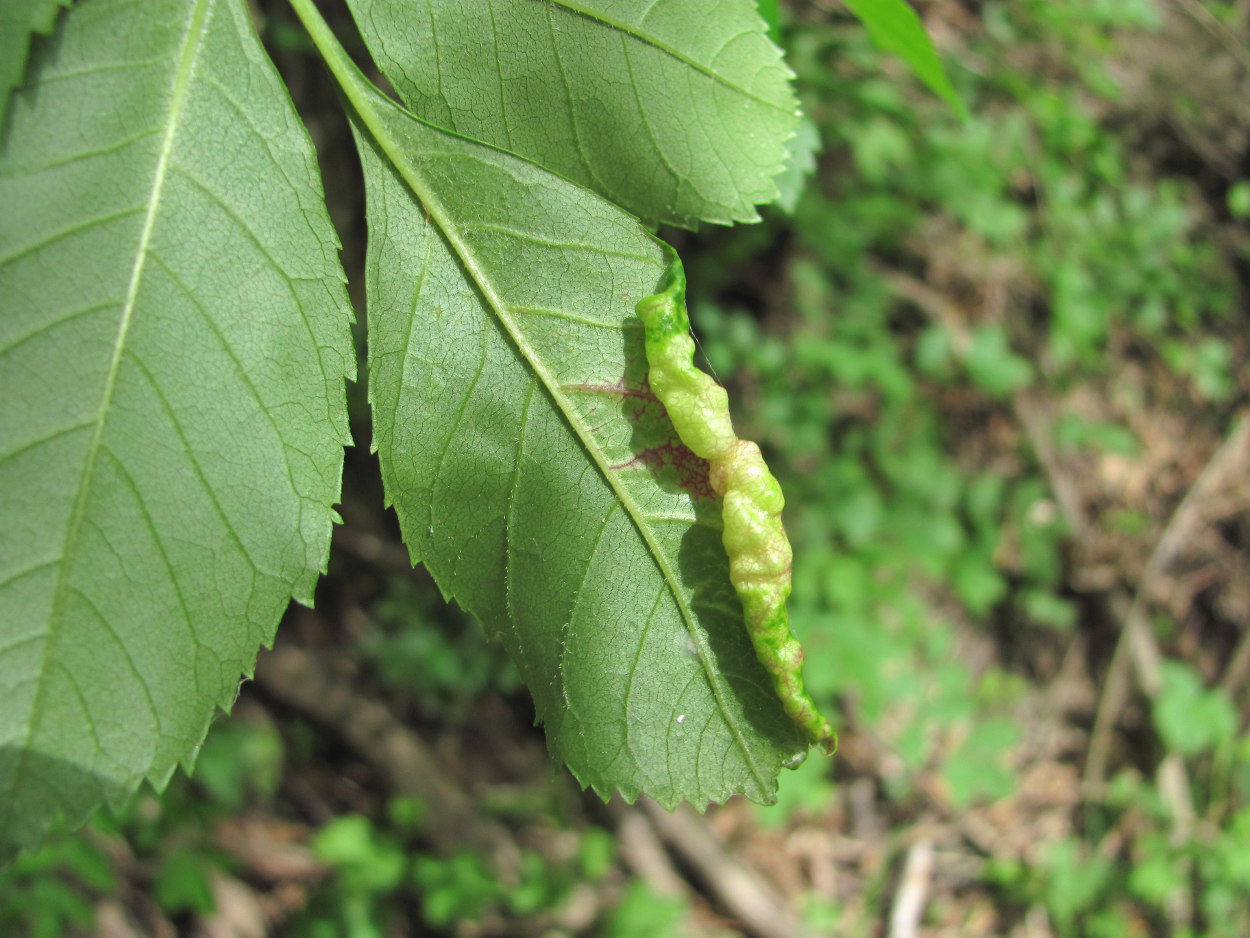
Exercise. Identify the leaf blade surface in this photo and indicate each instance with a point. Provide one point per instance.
(678, 111)
(173, 355)
(536, 476)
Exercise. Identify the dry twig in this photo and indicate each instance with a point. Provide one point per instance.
(1137, 643)
(300, 680)
(913, 890)
(737, 887)
(1137, 646)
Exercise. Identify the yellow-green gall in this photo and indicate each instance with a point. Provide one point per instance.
(754, 538)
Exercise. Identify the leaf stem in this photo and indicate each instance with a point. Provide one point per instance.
(341, 66)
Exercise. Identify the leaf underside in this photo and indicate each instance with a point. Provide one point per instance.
(536, 476)
(677, 111)
(172, 355)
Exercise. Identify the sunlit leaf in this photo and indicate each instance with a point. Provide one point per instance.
(678, 111)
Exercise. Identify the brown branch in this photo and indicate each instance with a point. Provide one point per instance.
(735, 885)
(643, 853)
(300, 680)
(1232, 44)
(913, 889)
(1238, 671)
(1137, 642)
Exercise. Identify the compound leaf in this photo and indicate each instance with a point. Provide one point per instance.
(534, 473)
(172, 355)
(678, 111)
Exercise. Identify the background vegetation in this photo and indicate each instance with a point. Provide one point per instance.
(998, 363)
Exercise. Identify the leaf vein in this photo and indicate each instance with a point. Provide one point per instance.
(45, 327)
(69, 232)
(587, 163)
(27, 571)
(55, 434)
(245, 378)
(548, 242)
(650, 41)
(125, 653)
(81, 155)
(563, 314)
(168, 564)
(571, 614)
(194, 463)
(509, 523)
(126, 66)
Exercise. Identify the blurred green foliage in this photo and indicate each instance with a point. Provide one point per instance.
(46, 894)
(1189, 718)
(862, 396)
(863, 393)
(377, 872)
(168, 838)
(1105, 891)
(369, 864)
(420, 645)
(645, 913)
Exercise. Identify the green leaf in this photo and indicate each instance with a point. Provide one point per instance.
(803, 149)
(1191, 719)
(534, 473)
(172, 355)
(1239, 199)
(993, 365)
(895, 27)
(19, 21)
(366, 857)
(644, 910)
(1073, 882)
(976, 769)
(182, 883)
(678, 111)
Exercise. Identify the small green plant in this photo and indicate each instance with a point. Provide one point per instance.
(1185, 864)
(433, 653)
(375, 871)
(644, 913)
(1189, 718)
(463, 888)
(47, 893)
(369, 866)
